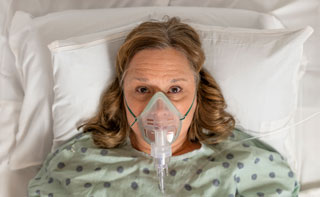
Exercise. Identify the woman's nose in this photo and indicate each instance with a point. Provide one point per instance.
(161, 109)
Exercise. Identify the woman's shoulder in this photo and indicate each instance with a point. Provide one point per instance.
(79, 143)
(243, 143)
(82, 144)
(256, 163)
(244, 149)
(79, 156)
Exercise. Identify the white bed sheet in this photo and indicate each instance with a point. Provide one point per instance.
(307, 134)
(293, 13)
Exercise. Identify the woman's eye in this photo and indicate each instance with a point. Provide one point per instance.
(142, 90)
(175, 89)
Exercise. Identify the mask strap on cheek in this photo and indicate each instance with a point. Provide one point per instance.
(189, 108)
(135, 118)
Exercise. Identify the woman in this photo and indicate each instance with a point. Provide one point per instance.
(162, 103)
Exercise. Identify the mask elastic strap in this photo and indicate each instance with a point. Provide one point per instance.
(189, 108)
(135, 118)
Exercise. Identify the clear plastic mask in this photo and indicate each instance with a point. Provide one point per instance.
(160, 115)
(160, 124)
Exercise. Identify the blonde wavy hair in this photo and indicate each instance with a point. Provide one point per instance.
(211, 123)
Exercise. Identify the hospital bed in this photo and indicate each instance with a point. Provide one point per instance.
(53, 57)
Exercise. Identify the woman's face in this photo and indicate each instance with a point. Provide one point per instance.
(160, 70)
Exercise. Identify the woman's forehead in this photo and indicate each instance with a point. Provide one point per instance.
(159, 62)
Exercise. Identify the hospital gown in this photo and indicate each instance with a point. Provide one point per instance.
(235, 167)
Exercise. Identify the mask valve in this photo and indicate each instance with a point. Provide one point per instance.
(161, 153)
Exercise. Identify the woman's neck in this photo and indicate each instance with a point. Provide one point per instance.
(178, 148)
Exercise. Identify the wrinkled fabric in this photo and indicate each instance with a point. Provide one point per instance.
(235, 167)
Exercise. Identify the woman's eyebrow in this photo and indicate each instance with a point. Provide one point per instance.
(177, 80)
(141, 79)
(171, 81)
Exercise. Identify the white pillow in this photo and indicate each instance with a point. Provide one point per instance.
(29, 38)
(256, 69)
(82, 68)
(259, 73)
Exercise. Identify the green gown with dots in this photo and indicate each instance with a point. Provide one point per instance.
(235, 167)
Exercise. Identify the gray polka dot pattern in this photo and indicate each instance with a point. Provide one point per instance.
(68, 181)
(134, 185)
(216, 182)
(279, 191)
(254, 177)
(290, 174)
(271, 157)
(272, 175)
(106, 184)
(199, 171)
(211, 159)
(260, 194)
(187, 187)
(146, 171)
(240, 165)
(230, 156)
(120, 169)
(104, 152)
(225, 164)
(79, 168)
(61, 165)
(87, 185)
(173, 172)
(69, 147)
(84, 149)
(50, 180)
(245, 145)
(237, 179)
